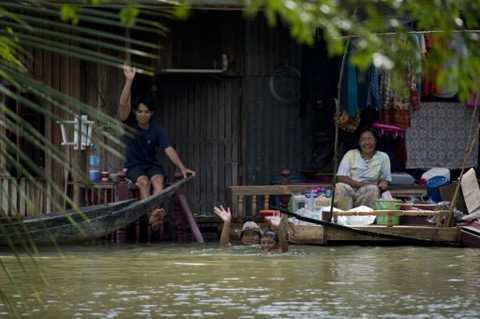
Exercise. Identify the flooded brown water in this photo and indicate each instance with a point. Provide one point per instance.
(206, 281)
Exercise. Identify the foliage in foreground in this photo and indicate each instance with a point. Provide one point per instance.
(68, 29)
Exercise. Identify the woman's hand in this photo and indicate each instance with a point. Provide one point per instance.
(225, 215)
(382, 186)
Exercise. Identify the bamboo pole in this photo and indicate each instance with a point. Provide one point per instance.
(394, 212)
(417, 205)
(449, 220)
(337, 119)
(127, 46)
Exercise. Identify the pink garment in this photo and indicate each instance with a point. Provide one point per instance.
(385, 129)
(473, 100)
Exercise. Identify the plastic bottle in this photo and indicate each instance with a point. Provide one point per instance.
(94, 165)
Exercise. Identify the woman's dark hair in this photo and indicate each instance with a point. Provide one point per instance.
(145, 100)
(363, 130)
(271, 234)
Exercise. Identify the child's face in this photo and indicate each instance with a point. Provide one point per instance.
(268, 244)
(250, 237)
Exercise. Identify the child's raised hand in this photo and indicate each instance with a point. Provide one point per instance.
(276, 220)
(225, 215)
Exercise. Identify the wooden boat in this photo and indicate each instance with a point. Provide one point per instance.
(321, 232)
(86, 223)
(371, 234)
(470, 234)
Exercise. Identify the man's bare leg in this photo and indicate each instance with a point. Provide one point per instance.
(144, 185)
(155, 217)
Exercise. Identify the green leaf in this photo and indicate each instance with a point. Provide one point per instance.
(182, 12)
(69, 13)
(128, 15)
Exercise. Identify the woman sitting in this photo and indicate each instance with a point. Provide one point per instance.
(363, 174)
(251, 233)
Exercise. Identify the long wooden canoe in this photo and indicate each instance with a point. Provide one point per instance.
(86, 223)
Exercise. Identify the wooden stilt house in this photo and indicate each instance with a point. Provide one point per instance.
(227, 91)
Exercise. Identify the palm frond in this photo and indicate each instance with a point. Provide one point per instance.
(36, 25)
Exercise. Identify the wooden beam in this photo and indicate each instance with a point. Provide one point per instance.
(396, 190)
(307, 234)
(440, 234)
(191, 220)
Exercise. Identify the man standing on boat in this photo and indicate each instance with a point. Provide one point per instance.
(363, 174)
(142, 143)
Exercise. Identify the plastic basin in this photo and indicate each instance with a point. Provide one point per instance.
(266, 214)
(387, 204)
(433, 187)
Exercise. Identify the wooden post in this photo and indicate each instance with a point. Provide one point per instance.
(240, 212)
(266, 205)
(285, 181)
(389, 220)
(191, 220)
(179, 216)
(121, 193)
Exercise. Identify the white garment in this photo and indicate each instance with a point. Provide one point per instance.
(371, 171)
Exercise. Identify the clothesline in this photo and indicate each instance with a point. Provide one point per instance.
(413, 32)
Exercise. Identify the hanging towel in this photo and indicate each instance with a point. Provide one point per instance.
(368, 89)
(349, 95)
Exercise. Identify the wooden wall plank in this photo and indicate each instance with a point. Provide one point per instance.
(22, 187)
(5, 196)
(227, 128)
(202, 142)
(273, 135)
(14, 198)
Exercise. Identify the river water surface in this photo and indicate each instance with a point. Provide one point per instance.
(206, 281)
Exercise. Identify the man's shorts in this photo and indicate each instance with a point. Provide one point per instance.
(147, 170)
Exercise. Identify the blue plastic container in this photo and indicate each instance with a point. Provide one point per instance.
(433, 187)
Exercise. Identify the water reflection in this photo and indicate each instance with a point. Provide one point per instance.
(154, 281)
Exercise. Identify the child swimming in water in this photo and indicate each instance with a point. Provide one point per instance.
(251, 233)
(273, 240)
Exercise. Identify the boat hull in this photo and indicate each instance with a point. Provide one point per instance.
(85, 223)
(404, 235)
